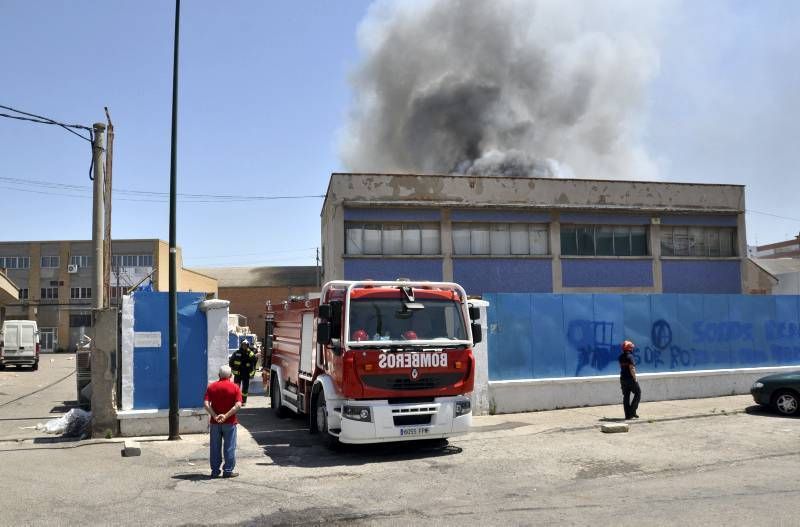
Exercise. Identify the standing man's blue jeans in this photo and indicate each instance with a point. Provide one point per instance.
(222, 433)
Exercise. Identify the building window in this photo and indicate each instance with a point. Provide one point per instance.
(80, 261)
(392, 239)
(499, 239)
(714, 242)
(15, 262)
(49, 293)
(80, 292)
(80, 321)
(118, 291)
(48, 338)
(603, 240)
(23, 293)
(132, 260)
(51, 262)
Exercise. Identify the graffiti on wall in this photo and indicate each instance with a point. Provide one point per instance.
(711, 344)
(556, 335)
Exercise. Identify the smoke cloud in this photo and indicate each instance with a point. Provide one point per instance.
(503, 88)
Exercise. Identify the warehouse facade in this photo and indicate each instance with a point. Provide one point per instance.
(536, 235)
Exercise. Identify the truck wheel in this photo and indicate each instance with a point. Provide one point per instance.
(275, 399)
(321, 413)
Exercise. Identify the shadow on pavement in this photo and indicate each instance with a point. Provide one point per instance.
(64, 407)
(612, 419)
(764, 411)
(287, 442)
(193, 476)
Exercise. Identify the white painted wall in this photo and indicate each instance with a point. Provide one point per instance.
(549, 394)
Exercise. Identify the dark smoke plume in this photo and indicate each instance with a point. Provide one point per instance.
(502, 87)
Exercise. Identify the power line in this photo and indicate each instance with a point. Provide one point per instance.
(773, 215)
(190, 198)
(32, 117)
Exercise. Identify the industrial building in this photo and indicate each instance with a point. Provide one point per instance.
(249, 288)
(511, 234)
(54, 279)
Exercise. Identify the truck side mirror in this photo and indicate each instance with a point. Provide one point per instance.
(474, 313)
(324, 332)
(325, 311)
(477, 334)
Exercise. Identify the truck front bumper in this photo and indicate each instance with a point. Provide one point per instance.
(407, 421)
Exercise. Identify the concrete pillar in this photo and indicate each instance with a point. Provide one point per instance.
(741, 237)
(555, 250)
(481, 402)
(104, 353)
(655, 252)
(446, 234)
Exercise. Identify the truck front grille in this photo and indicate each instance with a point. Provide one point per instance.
(428, 381)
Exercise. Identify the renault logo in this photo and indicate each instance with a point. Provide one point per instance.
(414, 374)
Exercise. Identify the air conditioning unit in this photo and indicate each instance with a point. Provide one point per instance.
(72, 268)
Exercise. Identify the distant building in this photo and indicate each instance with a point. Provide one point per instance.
(785, 249)
(786, 272)
(8, 294)
(249, 288)
(55, 282)
(506, 234)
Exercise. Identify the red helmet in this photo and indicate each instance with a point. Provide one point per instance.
(628, 345)
(410, 335)
(359, 335)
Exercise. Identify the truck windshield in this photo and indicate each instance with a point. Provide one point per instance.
(388, 319)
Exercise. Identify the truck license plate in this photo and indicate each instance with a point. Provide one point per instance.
(416, 431)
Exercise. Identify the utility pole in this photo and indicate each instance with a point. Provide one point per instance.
(97, 215)
(173, 278)
(319, 270)
(107, 217)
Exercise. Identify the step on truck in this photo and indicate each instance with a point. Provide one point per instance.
(375, 361)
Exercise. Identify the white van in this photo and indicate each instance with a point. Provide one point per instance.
(19, 343)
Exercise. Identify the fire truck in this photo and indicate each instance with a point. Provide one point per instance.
(375, 361)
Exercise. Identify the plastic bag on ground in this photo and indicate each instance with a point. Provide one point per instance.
(74, 423)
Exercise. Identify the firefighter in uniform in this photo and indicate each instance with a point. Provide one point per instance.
(243, 365)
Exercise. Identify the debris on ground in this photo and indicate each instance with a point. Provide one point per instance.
(74, 423)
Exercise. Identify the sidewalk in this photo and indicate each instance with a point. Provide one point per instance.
(487, 426)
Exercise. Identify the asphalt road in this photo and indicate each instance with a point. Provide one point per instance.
(727, 469)
(29, 397)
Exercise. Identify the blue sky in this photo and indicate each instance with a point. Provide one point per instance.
(264, 94)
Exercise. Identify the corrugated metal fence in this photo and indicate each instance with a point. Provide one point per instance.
(534, 336)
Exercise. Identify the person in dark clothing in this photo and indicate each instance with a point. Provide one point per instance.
(243, 365)
(628, 381)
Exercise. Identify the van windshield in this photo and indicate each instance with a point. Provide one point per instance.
(389, 319)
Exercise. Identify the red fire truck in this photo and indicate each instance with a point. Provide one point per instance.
(375, 361)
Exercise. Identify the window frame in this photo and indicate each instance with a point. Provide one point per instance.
(47, 261)
(508, 236)
(419, 234)
(687, 248)
(584, 233)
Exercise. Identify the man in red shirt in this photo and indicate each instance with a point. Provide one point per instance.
(223, 399)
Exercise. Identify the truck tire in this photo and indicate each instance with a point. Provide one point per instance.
(321, 413)
(276, 399)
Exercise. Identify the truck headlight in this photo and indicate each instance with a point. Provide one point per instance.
(758, 385)
(463, 407)
(357, 413)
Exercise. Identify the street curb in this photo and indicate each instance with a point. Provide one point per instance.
(644, 421)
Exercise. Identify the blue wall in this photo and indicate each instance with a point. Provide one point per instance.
(553, 335)
(151, 365)
(478, 275)
(701, 276)
(393, 268)
(602, 272)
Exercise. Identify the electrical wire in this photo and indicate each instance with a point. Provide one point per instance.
(32, 117)
(146, 196)
(773, 215)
